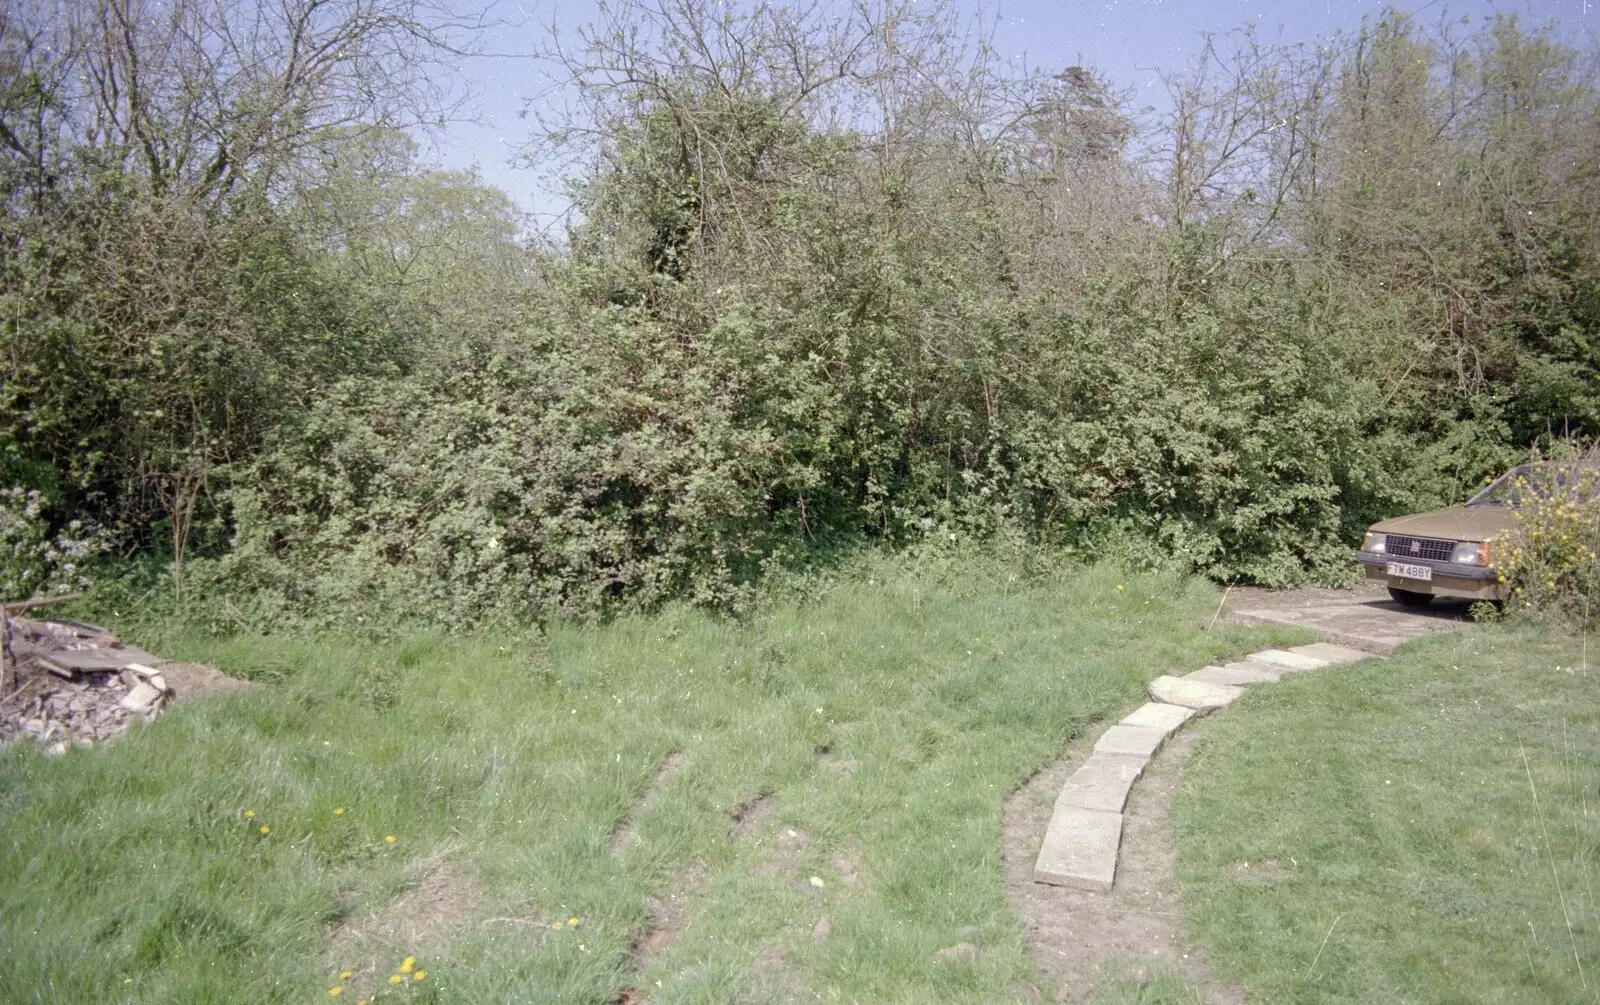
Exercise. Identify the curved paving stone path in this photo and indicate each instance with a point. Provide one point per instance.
(1080, 846)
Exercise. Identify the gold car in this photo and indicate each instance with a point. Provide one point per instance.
(1450, 552)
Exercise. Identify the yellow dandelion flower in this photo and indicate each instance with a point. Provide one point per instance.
(555, 926)
(573, 922)
(395, 978)
(265, 829)
(249, 814)
(407, 963)
(344, 975)
(336, 991)
(420, 975)
(338, 811)
(389, 839)
(1120, 587)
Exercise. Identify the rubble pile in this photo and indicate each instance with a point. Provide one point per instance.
(67, 682)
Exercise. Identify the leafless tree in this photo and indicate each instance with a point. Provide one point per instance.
(191, 96)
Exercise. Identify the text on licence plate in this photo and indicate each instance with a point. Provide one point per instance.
(1404, 571)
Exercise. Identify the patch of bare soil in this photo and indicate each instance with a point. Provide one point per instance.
(625, 835)
(668, 916)
(425, 916)
(1083, 939)
(749, 815)
(780, 851)
(187, 681)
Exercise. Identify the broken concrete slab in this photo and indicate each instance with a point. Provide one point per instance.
(1198, 695)
(142, 698)
(1158, 715)
(1135, 741)
(1272, 671)
(1331, 652)
(66, 662)
(1234, 674)
(1102, 782)
(1285, 658)
(1079, 849)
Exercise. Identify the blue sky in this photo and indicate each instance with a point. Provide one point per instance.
(1126, 39)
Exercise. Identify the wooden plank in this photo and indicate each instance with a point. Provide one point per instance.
(102, 660)
(18, 606)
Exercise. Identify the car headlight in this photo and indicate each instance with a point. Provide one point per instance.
(1375, 543)
(1471, 553)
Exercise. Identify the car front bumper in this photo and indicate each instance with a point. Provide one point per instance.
(1469, 582)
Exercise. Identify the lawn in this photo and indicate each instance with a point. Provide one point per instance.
(843, 757)
(1419, 829)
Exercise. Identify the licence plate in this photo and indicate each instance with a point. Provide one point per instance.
(1405, 571)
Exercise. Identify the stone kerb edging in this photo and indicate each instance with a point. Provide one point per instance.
(1080, 846)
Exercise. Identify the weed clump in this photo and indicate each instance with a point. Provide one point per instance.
(1550, 561)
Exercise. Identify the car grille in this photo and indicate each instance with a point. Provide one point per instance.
(1402, 547)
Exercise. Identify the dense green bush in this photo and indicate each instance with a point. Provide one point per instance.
(923, 296)
(1550, 560)
(598, 455)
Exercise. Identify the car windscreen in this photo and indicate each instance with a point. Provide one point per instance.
(1539, 480)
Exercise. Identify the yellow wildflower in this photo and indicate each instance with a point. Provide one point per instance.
(338, 811)
(336, 990)
(407, 963)
(344, 975)
(395, 978)
(265, 829)
(389, 839)
(573, 922)
(555, 926)
(249, 814)
(420, 975)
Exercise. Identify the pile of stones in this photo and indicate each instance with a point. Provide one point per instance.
(67, 682)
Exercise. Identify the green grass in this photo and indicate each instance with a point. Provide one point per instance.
(1421, 829)
(129, 872)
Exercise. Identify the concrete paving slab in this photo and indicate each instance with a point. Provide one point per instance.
(1276, 671)
(1193, 694)
(1102, 782)
(1331, 652)
(1136, 741)
(1157, 715)
(1079, 849)
(1284, 658)
(1234, 674)
(1364, 617)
